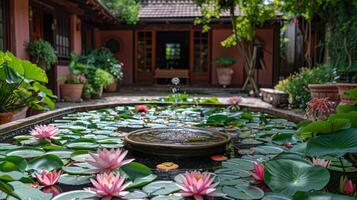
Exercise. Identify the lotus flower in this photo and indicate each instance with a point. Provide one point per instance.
(107, 186)
(319, 108)
(141, 108)
(349, 187)
(43, 132)
(234, 101)
(108, 160)
(259, 172)
(198, 185)
(48, 178)
(320, 162)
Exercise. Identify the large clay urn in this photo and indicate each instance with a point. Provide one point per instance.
(224, 75)
(71, 92)
(7, 117)
(328, 90)
(344, 87)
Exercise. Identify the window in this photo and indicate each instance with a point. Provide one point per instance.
(62, 37)
(173, 51)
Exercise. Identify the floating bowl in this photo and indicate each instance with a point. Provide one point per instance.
(177, 141)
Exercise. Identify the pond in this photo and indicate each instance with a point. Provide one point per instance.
(255, 138)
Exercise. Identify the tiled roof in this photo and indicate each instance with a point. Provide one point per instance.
(170, 9)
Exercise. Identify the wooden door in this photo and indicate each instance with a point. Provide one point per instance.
(200, 58)
(145, 57)
(37, 25)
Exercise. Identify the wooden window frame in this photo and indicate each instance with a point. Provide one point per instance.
(6, 25)
(63, 50)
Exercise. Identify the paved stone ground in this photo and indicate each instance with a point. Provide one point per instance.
(134, 94)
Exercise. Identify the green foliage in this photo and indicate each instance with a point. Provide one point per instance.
(224, 60)
(87, 89)
(42, 53)
(296, 85)
(128, 10)
(20, 85)
(102, 79)
(104, 59)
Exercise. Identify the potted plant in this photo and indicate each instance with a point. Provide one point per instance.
(104, 59)
(87, 91)
(42, 53)
(72, 88)
(224, 71)
(21, 86)
(325, 90)
(101, 79)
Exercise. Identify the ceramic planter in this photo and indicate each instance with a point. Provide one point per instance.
(224, 75)
(113, 87)
(329, 91)
(7, 117)
(71, 92)
(344, 87)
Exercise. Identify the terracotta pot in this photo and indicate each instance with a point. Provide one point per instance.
(12, 116)
(71, 92)
(113, 87)
(344, 87)
(329, 91)
(224, 75)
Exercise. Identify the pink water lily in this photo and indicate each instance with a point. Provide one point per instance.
(107, 160)
(47, 178)
(141, 108)
(320, 162)
(197, 185)
(259, 172)
(108, 186)
(43, 132)
(234, 101)
(349, 187)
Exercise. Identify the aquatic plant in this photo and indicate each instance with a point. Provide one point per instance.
(259, 172)
(197, 185)
(107, 186)
(107, 160)
(44, 132)
(141, 108)
(234, 101)
(47, 178)
(320, 162)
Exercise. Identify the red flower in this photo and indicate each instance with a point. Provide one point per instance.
(259, 172)
(141, 108)
(349, 187)
(219, 158)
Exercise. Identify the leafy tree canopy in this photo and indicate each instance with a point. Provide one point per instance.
(128, 10)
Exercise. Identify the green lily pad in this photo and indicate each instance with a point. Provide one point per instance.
(13, 163)
(319, 196)
(75, 194)
(268, 149)
(26, 152)
(137, 194)
(161, 188)
(61, 154)
(80, 156)
(243, 192)
(68, 179)
(275, 196)
(28, 192)
(141, 181)
(136, 170)
(47, 162)
(83, 145)
(76, 170)
(168, 197)
(288, 176)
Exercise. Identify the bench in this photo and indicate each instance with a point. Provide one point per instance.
(171, 73)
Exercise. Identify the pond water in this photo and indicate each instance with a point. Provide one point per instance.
(256, 137)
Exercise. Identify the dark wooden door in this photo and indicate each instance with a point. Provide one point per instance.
(200, 58)
(37, 25)
(144, 57)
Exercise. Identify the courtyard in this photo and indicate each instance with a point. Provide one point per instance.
(178, 99)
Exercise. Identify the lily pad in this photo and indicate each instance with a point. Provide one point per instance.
(287, 177)
(68, 179)
(137, 194)
(141, 181)
(26, 152)
(76, 170)
(243, 192)
(47, 162)
(161, 188)
(27, 192)
(75, 194)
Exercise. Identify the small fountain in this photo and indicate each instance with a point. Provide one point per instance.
(177, 141)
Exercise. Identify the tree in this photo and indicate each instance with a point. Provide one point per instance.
(252, 14)
(128, 10)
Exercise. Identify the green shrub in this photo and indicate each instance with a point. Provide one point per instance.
(224, 60)
(42, 53)
(297, 84)
(102, 79)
